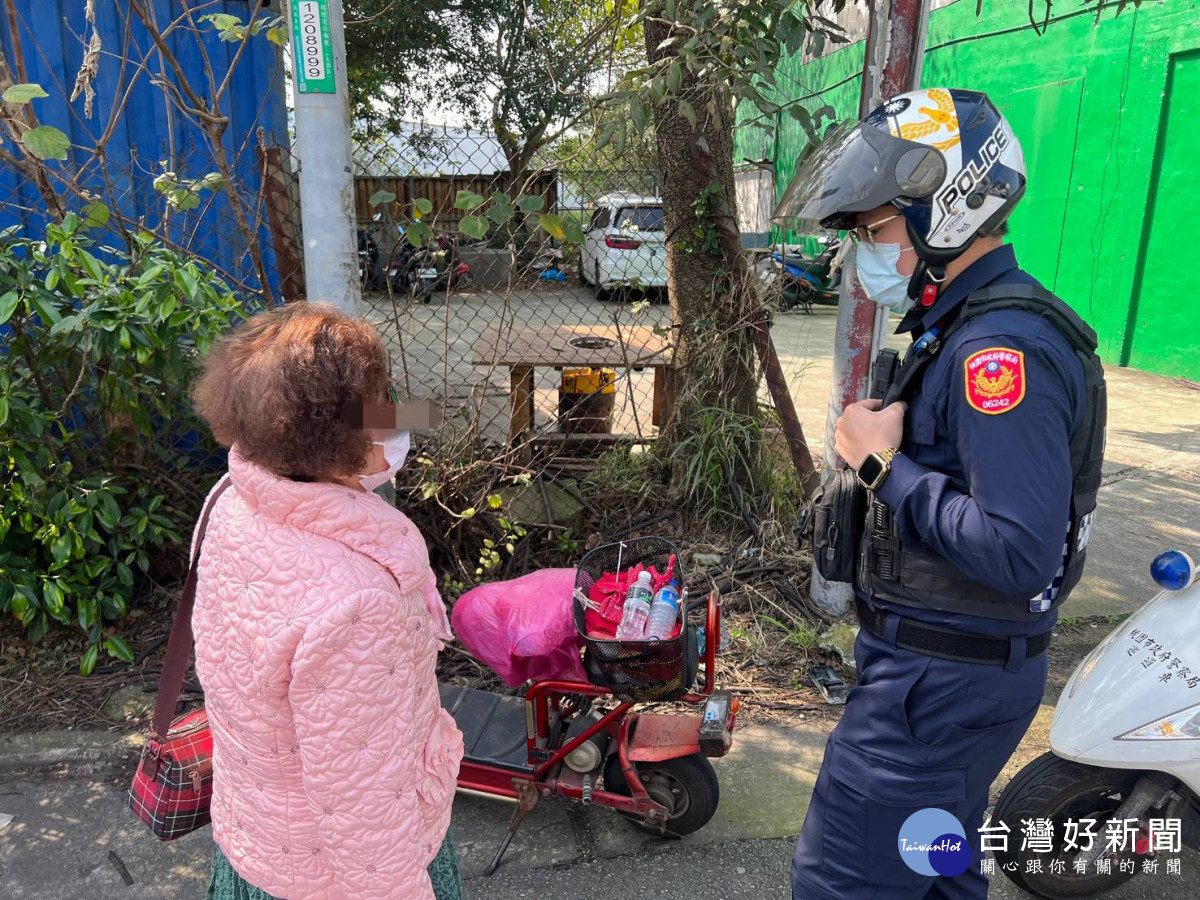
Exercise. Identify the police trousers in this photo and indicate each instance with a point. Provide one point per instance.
(918, 732)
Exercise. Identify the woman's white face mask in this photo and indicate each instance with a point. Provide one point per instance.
(395, 451)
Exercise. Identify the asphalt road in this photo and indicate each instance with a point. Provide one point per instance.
(740, 870)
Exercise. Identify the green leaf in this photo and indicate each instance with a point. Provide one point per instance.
(500, 213)
(94, 215)
(639, 114)
(8, 305)
(532, 203)
(47, 142)
(417, 233)
(474, 226)
(53, 596)
(23, 93)
(117, 647)
(185, 200)
(221, 21)
(423, 206)
(688, 112)
(87, 612)
(277, 36)
(381, 197)
(61, 548)
(468, 513)
(572, 232)
(552, 224)
(495, 501)
(674, 77)
(88, 663)
(468, 200)
(606, 135)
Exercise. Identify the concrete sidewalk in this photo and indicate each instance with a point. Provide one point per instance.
(73, 837)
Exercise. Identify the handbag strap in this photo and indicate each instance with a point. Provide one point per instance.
(179, 646)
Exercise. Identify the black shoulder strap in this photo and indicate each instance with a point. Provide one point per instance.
(1035, 299)
(1028, 297)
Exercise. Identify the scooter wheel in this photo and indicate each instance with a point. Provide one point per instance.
(687, 786)
(1059, 790)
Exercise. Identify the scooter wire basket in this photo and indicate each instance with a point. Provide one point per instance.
(636, 671)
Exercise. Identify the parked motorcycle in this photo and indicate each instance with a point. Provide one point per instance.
(803, 280)
(368, 261)
(1125, 748)
(420, 272)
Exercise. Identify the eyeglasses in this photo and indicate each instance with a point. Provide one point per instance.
(865, 234)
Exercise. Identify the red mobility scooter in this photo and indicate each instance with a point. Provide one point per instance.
(594, 742)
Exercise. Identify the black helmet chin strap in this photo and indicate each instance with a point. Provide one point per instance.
(926, 283)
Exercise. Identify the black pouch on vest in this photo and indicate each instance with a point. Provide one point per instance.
(838, 510)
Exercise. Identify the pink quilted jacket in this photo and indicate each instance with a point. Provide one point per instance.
(317, 626)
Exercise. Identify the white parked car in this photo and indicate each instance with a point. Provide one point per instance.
(624, 245)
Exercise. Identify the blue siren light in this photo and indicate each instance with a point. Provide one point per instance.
(1173, 570)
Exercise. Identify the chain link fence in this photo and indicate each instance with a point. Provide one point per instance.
(530, 304)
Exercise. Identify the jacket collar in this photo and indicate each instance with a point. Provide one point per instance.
(362, 521)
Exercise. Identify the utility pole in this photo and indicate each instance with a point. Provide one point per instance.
(895, 47)
(322, 148)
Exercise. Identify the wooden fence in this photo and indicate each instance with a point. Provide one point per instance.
(442, 191)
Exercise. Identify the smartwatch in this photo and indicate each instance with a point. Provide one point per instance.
(874, 470)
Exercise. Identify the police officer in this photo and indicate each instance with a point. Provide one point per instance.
(981, 465)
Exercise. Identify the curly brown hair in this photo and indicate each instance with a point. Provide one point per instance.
(278, 386)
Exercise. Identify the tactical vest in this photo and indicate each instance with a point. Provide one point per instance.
(890, 571)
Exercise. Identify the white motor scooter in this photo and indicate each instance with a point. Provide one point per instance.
(1125, 745)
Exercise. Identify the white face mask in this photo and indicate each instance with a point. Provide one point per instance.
(395, 451)
(877, 272)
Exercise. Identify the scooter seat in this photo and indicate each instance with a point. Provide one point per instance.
(493, 727)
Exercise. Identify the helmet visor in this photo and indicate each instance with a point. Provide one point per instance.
(856, 169)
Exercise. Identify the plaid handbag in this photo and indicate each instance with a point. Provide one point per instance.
(172, 788)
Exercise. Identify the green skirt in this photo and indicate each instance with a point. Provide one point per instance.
(226, 884)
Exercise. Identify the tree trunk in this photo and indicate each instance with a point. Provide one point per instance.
(711, 306)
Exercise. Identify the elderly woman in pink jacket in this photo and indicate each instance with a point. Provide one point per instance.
(317, 626)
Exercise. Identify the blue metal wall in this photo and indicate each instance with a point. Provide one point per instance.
(52, 36)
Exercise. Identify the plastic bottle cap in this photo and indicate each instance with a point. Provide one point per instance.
(644, 578)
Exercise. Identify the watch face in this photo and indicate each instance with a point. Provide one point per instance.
(870, 469)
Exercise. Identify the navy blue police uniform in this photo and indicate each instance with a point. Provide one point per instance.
(984, 481)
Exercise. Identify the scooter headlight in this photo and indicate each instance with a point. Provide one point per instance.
(1184, 724)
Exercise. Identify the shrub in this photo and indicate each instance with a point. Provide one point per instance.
(101, 462)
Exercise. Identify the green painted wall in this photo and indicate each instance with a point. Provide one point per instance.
(1108, 116)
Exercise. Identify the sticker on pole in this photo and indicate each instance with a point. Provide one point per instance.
(995, 379)
(312, 47)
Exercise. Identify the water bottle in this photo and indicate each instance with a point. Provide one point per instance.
(664, 613)
(636, 610)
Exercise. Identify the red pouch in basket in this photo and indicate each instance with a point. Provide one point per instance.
(608, 598)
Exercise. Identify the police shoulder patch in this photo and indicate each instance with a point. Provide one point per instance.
(995, 379)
